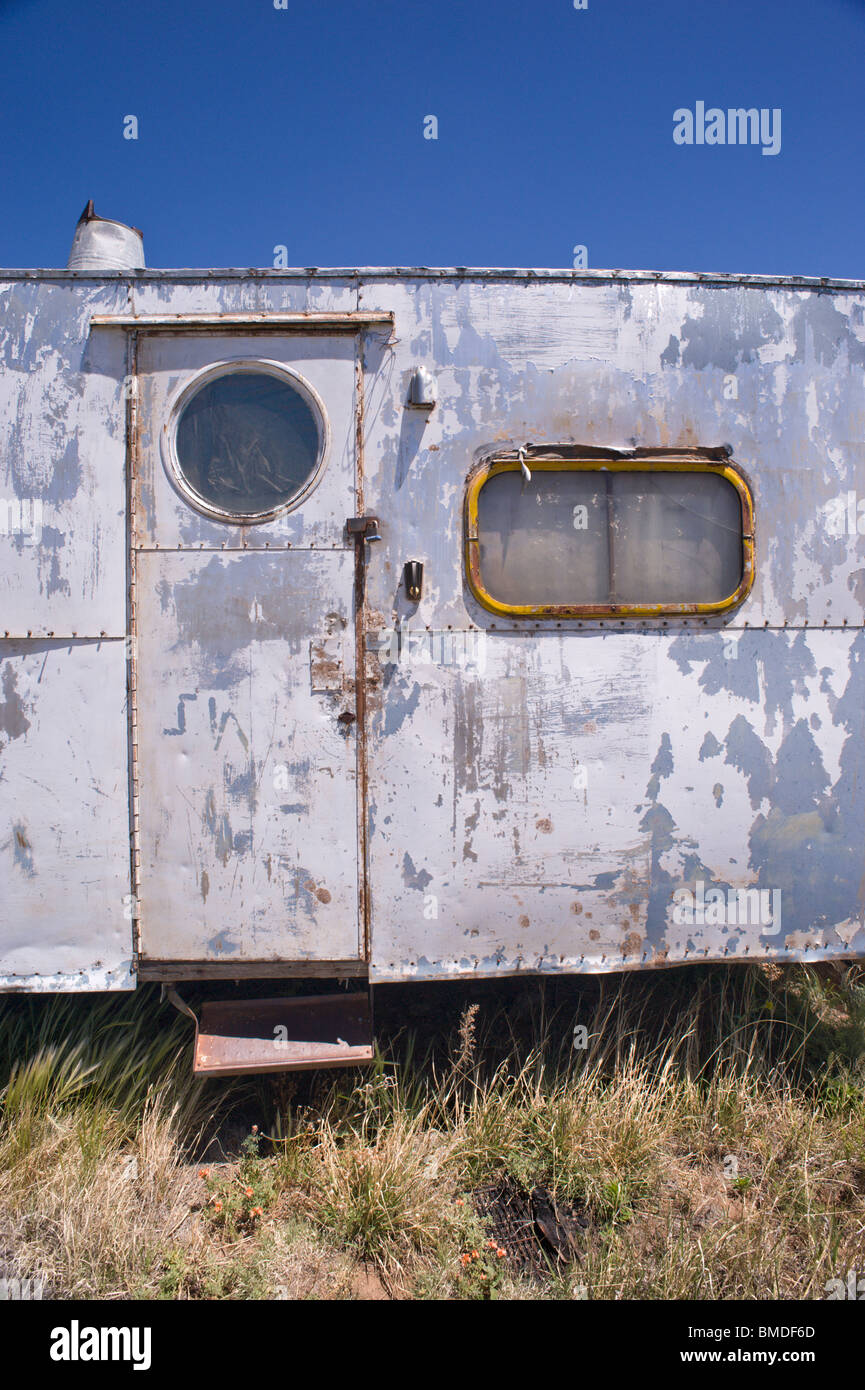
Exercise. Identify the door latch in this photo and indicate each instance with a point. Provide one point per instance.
(413, 579)
(363, 528)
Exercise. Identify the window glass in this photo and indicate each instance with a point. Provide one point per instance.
(602, 536)
(247, 442)
(676, 538)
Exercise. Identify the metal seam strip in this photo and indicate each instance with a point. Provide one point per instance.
(132, 387)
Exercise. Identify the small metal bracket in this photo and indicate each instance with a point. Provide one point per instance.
(413, 579)
(422, 393)
(170, 993)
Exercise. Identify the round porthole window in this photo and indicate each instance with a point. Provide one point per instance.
(247, 440)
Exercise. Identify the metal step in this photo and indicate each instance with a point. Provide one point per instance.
(264, 1035)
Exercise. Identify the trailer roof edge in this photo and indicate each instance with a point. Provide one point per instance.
(454, 273)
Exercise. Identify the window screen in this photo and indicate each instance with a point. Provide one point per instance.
(600, 537)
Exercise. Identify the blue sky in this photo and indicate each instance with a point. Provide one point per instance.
(304, 127)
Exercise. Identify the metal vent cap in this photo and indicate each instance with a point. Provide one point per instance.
(100, 244)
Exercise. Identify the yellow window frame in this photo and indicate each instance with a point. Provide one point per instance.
(659, 462)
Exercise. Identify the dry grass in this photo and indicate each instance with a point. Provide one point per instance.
(712, 1132)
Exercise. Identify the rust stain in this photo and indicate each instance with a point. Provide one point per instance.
(323, 894)
(364, 621)
(324, 667)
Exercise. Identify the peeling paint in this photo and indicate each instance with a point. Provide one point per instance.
(539, 814)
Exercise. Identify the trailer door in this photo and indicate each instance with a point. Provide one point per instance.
(244, 712)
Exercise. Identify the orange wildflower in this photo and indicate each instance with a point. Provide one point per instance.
(248, 1192)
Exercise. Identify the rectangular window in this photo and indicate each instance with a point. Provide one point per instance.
(617, 537)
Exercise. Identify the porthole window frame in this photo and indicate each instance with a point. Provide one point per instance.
(253, 366)
(649, 461)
